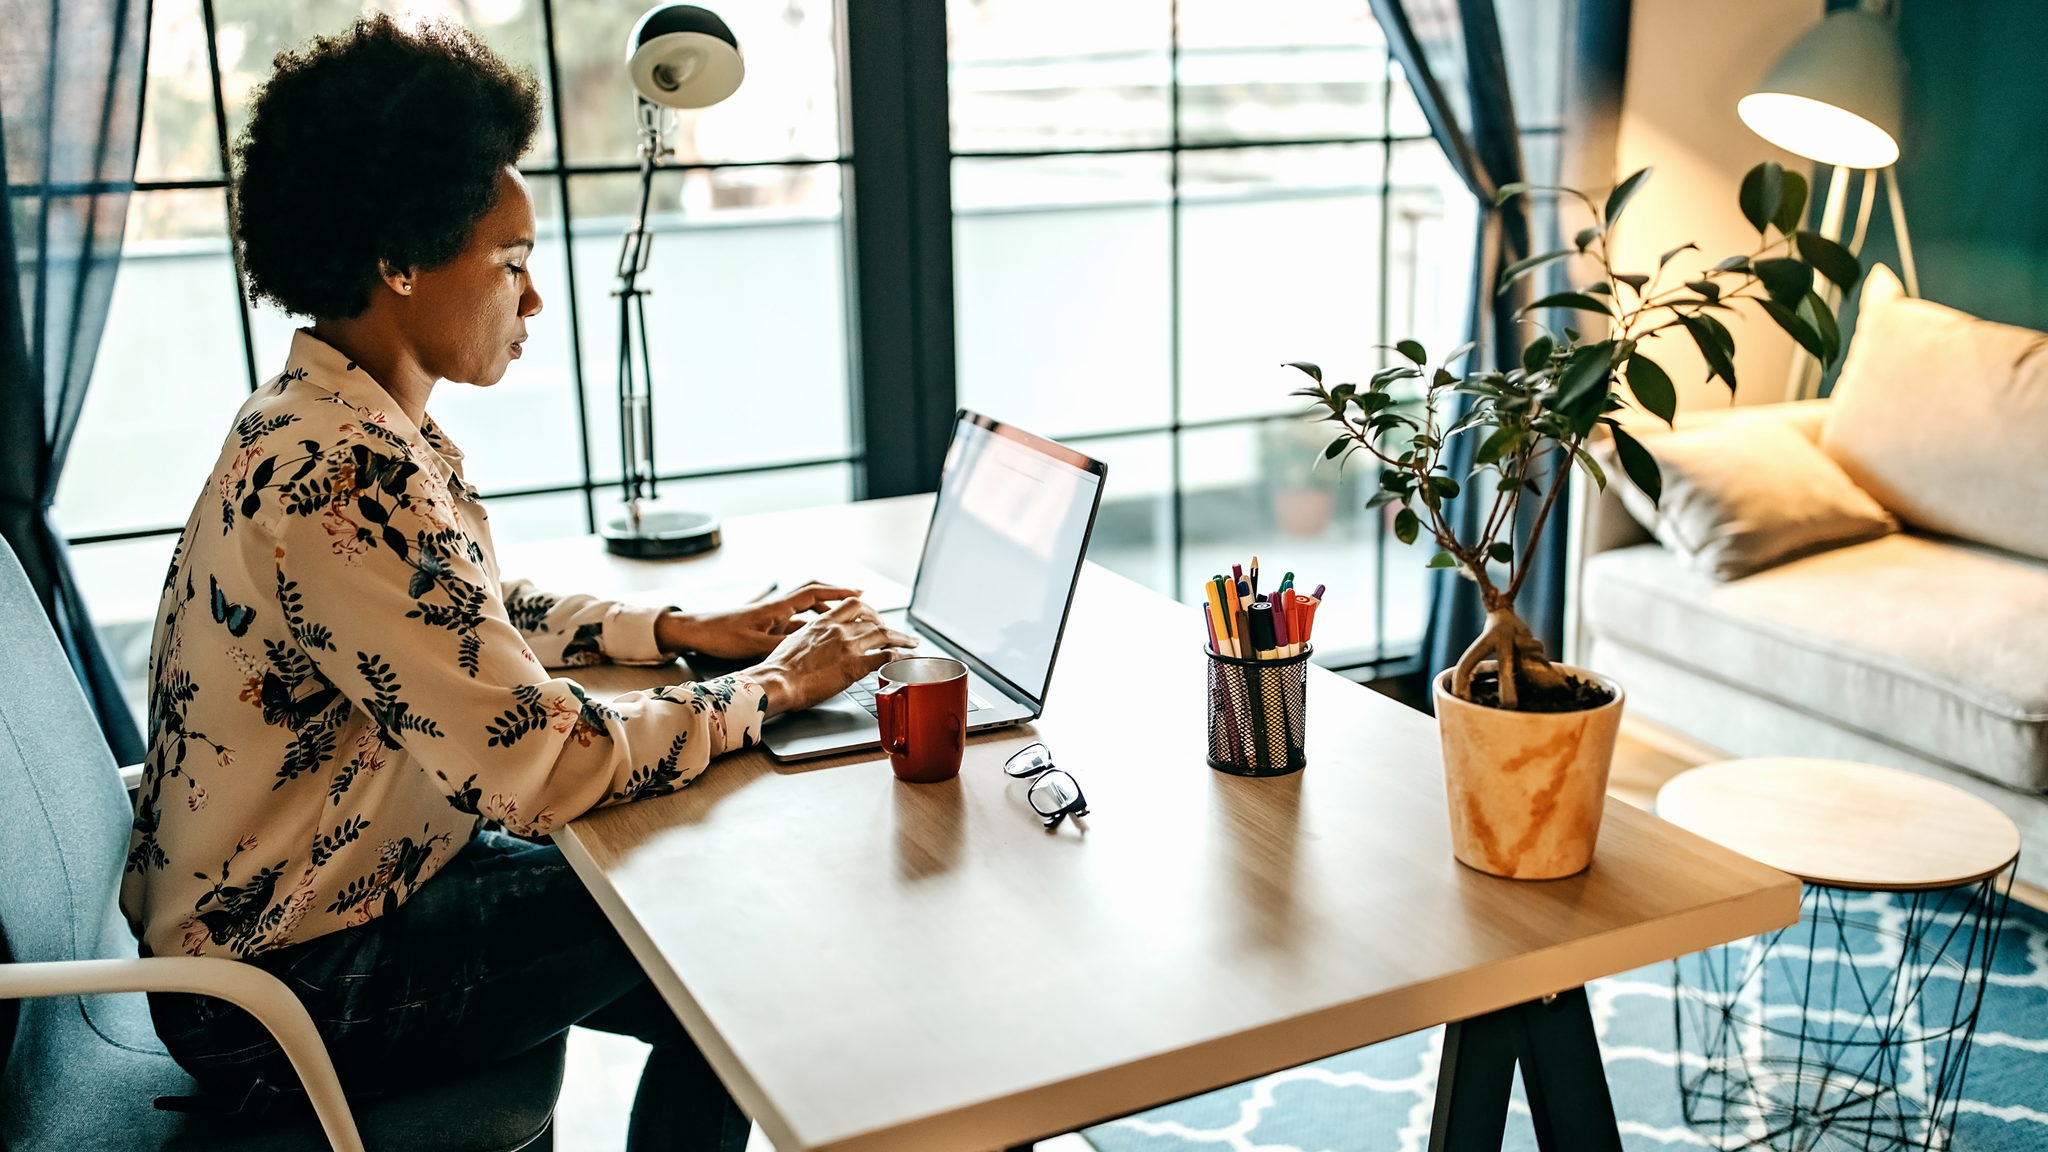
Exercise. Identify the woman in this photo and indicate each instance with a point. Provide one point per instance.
(349, 704)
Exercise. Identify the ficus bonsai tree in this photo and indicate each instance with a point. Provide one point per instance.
(1530, 424)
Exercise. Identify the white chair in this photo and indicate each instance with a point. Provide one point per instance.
(82, 1066)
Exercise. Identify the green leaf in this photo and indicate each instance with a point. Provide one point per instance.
(1336, 447)
(1762, 189)
(1382, 498)
(1719, 363)
(1666, 258)
(1386, 376)
(1791, 204)
(1579, 300)
(1583, 383)
(1442, 378)
(1406, 525)
(1733, 264)
(1600, 289)
(1508, 192)
(1619, 198)
(1307, 367)
(1639, 464)
(1413, 351)
(1707, 288)
(1800, 329)
(1830, 259)
(1635, 280)
(1460, 350)
(1537, 354)
(1502, 552)
(1653, 388)
(1815, 311)
(1446, 487)
(1585, 237)
(1590, 466)
(1443, 560)
(1788, 281)
(1521, 268)
(1497, 445)
(1722, 336)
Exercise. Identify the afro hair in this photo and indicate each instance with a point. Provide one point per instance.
(379, 147)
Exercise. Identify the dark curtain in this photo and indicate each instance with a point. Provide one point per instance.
(71, 78)
(1465, 76)
(1972, 170)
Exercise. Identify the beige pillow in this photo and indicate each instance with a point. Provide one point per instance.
(1743, 494)
(1943, 418)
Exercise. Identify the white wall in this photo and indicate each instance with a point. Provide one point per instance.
(1689, 62)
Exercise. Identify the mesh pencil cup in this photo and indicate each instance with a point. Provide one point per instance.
(1258, 714)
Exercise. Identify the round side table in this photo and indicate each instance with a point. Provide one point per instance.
(1850, 1029)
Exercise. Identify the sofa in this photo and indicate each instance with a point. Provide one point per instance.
(1925, 648)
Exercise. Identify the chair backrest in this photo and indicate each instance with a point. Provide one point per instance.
(64, 817)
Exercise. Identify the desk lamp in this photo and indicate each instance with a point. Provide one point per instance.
(677, 56)
(1837, 96)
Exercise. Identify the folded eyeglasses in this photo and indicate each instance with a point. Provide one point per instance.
(1054, 794)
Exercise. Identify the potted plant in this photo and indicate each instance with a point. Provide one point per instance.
(1528, 741)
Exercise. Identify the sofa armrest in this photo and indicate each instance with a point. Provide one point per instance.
(244, 985)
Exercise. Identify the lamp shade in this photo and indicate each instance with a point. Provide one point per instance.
(683, 56)
(1837, 95)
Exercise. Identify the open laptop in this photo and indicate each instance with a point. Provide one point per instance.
(1001, 559)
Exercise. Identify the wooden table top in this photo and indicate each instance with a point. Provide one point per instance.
(1843, 824)
(878, 965)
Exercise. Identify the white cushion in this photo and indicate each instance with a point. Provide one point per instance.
(1745, 493)
(1943, 418)
(1937, 647)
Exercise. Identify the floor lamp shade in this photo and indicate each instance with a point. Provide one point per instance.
(1837, 95)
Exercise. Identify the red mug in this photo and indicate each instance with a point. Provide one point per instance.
(922, 707)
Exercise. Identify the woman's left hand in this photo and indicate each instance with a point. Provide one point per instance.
(743, 633)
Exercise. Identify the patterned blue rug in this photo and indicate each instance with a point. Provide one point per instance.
(1378, 1099)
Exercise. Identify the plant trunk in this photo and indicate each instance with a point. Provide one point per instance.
(1507, 646)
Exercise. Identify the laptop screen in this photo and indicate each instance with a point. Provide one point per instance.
(1005, 547)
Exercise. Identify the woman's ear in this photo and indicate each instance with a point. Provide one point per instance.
(399, 281)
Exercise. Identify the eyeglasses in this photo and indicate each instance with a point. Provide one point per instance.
(1054, 795)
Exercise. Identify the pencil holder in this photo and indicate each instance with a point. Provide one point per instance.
(1258, 714)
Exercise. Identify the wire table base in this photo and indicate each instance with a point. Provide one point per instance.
(1848, 1030)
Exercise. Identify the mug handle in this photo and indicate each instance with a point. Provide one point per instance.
(891, 711)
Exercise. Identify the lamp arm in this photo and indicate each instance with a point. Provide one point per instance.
(244, 985)
(636, 382)
(1891, 187)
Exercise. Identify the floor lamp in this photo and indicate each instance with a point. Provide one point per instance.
(677, 56)
(1837, 96)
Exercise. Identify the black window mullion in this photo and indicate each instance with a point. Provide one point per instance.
(220, 129)
(1173, 308)
(899, 241)
(561, 177)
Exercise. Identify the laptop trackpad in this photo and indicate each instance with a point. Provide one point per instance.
(836, 718)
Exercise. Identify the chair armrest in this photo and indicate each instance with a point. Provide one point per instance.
(244, 985)
(131, 777)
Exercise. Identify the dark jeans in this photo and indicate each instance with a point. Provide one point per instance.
(499, 951)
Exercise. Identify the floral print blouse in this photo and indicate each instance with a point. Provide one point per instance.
(344, 690)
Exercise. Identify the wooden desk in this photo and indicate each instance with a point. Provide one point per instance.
(874, 965)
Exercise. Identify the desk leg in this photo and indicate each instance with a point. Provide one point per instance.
(1561, 1071)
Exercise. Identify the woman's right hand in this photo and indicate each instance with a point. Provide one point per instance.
(826, 655)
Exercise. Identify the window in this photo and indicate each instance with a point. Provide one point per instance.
(1154, 205)
(1157, 205)
(749, 255)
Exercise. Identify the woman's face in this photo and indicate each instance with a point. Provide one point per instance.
(468, 317)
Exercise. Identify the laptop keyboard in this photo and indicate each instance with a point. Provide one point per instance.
(863, 694)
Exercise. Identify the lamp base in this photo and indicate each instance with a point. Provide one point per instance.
(662, 534)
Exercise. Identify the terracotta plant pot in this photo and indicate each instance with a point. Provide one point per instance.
(1526, 788)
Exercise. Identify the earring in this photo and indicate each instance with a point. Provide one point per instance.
(405, 287)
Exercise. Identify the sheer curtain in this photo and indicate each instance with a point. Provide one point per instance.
(71, 78)
(1564, 68)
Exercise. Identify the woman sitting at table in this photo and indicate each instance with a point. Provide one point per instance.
(350, 708)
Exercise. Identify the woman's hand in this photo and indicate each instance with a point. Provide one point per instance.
(744, 633)
(825, 655)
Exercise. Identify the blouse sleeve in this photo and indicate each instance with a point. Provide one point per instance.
(390, 600)
(572, 631)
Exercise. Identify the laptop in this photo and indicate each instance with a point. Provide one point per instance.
(1001, 559)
